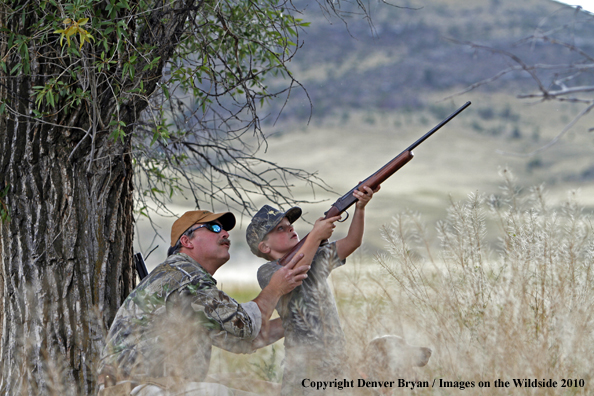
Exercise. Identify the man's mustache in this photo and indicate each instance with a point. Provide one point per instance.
(225, 242)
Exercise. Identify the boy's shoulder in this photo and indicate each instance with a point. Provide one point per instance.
(326, 259)
(266, 271)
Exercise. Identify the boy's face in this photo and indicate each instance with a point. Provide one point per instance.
(282, 238)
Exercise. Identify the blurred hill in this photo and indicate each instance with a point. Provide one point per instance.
(403, 53)
(375, 88)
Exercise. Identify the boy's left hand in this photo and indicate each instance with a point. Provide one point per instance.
(364, 197)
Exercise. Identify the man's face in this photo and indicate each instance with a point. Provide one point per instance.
(283, 237)
(209, 245)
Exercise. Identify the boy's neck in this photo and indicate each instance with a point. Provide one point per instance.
(272, 256)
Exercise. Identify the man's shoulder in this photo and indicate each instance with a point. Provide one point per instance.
(176, 271)
(181, 265)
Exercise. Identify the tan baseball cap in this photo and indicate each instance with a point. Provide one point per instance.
(192, 217)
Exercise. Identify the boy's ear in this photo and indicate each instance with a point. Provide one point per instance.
(264, 248)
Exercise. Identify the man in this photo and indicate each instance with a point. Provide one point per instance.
(161, 337)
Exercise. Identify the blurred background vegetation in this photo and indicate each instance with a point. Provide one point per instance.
(371, 88)
(507, 296)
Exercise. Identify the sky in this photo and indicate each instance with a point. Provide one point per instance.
(587, 5)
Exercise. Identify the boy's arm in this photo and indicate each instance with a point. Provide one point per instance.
(322, 230)
(354, 238)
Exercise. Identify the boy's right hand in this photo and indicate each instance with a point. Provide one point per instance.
(323, 228)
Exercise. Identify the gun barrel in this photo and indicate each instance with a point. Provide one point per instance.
(140, 266)
(437, 127)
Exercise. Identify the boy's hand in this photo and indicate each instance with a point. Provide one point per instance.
(364, 197)
(323, 228)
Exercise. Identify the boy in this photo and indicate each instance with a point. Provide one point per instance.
(314, 340)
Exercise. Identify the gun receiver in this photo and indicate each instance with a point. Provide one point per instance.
(374, 181)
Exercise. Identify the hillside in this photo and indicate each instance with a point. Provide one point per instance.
(408, 52)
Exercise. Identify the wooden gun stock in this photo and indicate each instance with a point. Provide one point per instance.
(373, 181)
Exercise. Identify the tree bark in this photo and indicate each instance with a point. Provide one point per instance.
(66, 253)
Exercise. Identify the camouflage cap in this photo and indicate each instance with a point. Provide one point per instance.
(192, 217)
(264, 221)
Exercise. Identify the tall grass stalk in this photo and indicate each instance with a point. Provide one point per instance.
(522, 309)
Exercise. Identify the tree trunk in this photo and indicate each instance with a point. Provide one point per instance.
(66, 253)
(66, 256)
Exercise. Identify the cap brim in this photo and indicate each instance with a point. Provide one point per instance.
(293, 214)
(227, 220)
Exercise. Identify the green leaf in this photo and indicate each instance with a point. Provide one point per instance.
(16, 67)
(50, 98)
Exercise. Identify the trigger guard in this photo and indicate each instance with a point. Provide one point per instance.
(345, 219)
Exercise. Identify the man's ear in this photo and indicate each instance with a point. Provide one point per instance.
(186, 242)
(264, 248)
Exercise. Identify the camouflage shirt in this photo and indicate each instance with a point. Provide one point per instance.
(166, 327)
(314, 340)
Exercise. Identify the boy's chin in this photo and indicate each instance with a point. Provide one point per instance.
(293, 242)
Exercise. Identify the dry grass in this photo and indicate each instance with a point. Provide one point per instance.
(519, 311)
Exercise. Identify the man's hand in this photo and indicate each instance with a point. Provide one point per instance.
(289, 277)
(282, 282)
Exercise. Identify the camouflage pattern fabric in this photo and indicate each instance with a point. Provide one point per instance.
(166, 327)
(314, 340)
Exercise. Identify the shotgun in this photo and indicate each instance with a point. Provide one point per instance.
(374, 181)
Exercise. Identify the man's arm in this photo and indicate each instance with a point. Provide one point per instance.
(282, 282)
(272, 334)
(354, 238)
(243, 324)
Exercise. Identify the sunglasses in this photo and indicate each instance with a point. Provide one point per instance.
(214, 227)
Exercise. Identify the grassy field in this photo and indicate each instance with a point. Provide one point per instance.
(519, 311)
(497, 292)
(497, 284)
